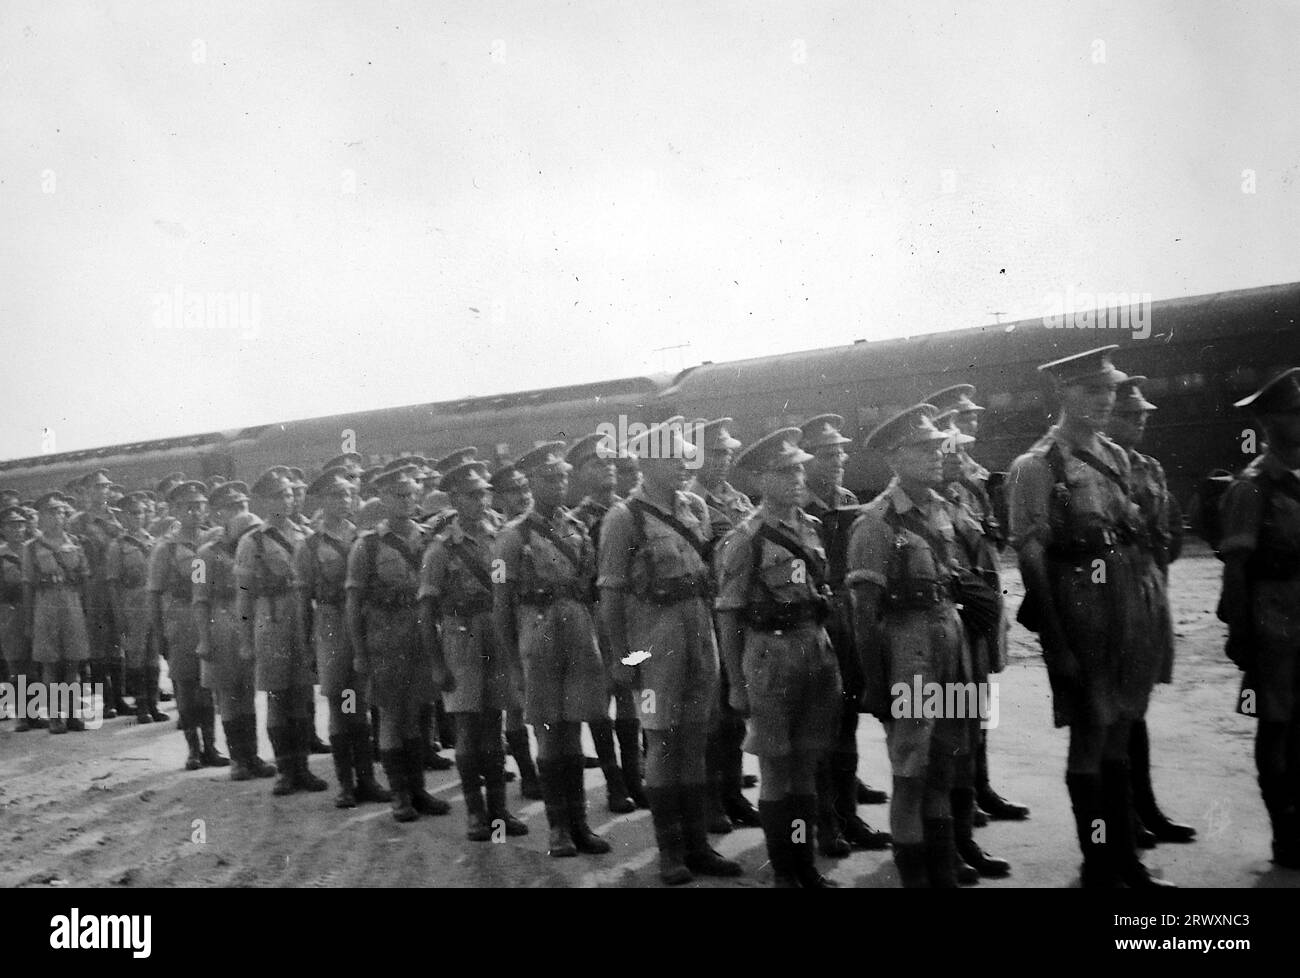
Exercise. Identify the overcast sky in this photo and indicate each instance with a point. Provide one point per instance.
(414, 201)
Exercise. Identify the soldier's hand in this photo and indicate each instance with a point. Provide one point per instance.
(624, 677)
(738, 700)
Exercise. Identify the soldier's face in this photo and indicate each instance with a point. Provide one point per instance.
(665, 474)
(15, 531)
(785, 487)
(132, 517)
(628, 478)
(599, 474)
(280, 503)
(1284, 429)
(1127, 427)
(228, 513)
(550, 488)
(472, 505)
(54, 519)
(97, 495)
(921, 463)
(402, 500)
(516, 501)
(1090, 403)
(191, 514)
(827, 466)
(338, 504)
(716, 465)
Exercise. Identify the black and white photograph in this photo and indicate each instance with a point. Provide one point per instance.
(698, 445)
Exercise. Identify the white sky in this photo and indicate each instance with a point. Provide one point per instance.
(597, 180)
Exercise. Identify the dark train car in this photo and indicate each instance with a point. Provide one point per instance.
(138, 465)
(501, 426)
(1202, 353)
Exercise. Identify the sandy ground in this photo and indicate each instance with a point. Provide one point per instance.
(114, 807)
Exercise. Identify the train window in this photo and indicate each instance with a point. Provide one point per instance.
(1000, 400)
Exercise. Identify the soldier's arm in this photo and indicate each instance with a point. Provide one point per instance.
(246, 602)
(112, 576)
(614, 560)
(1242, 510)
(303, 585)
(201, 605)
(432, 572)
(506, 556)
(734, 558)
(866, 574)
(155, 577)
(28, 610)
(357, 580)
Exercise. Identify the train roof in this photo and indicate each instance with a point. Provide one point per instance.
(1028, 340)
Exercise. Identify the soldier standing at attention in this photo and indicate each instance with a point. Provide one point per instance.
(54, 575)
(170, 579)
(771, 605)
(655, 603)
(127, 572)
(437, 499)
(383, 585)
(1091, 598)
(839, 827)
(594, 479)
(511, 498)
(980, 597)
(96, 527)
(1260, 602)
(542, 611)
(268, 611)
(901, 566)
(970, 488)
(456, 628)
(13, 638)
(727, 505)
(227, 673)
(1161, 542)
(320, 575)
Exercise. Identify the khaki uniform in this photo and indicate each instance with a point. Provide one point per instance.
(231, 678)
(170, 574)
(264, 569)
(977, 552)
(667, 610)
(127, 566)
(1261, 519)
(1105, 588)
(96, 534)
(385, 570)
(320, 568)
(727, 506)
(564, 677)
(13, 640)
(910, 552)
(57, 573)
(456, 572)
(788, 663)
(1150, 491)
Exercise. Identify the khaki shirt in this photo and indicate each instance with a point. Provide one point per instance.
(922, 548)
(218, 580)
(264, 558)
(320, 563)
(391, 571)
(171, 564)
(632, 561)
(47, 563)
(96, 532)
(444, 573)
(530, 560)
(127, 561)
(779, 570)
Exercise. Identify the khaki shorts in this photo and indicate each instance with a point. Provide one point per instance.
(794, 691)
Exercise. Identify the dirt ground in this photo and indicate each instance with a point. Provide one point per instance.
(113, 807)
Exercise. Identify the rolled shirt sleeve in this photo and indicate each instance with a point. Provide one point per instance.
(1241, 510)
(616, 548)
(735, 562)
(867, 558)
(1029, 494)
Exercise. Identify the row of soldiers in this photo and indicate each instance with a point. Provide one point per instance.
(707, 619)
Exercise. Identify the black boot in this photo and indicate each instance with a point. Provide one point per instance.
(778, 829)
(910, 858)
(585, 840)
(303, 733)
(555, 794)
(1088, 802)
(844, 788)
(151, 677)
(314, 744)
(989, 801)
(693, 802)
(1284, 819)
(341, 745)
(520, 749)
(738, 808)
(141, 685)
(117, 674)
(494, 788)
(670, 837)
(963, 824)
(830, 837)
(363, 762)
(423, 802)
(431, 760)
(208, 727)
(602, 733)
(476, 829)
(805, 867)
(1117, 788)
(281, 737)
(395, 763)
(1144, 798)
(195, 759)
(941, 853)
(868, 795)
(629, 754)
(239, 770)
